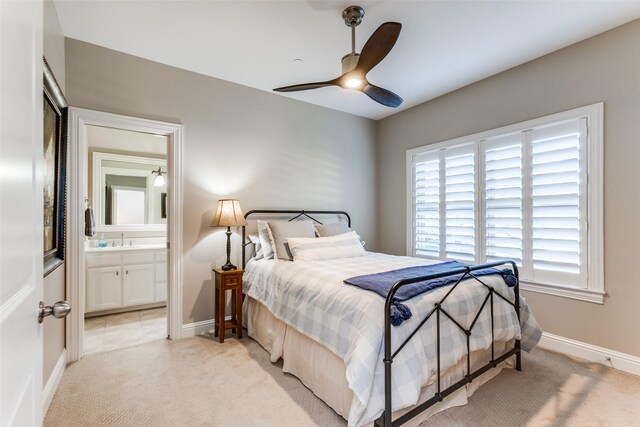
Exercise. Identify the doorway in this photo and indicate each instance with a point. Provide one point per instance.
(126, 240)
(124, 278)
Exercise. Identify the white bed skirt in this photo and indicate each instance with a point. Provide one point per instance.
(324, 373)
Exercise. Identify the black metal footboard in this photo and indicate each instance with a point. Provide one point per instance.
(438, 311)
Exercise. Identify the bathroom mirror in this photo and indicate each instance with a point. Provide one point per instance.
(129, 192)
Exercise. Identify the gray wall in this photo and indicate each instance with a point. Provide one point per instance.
(266, 150)
(603, 68)
(53, 42)
(54, 283)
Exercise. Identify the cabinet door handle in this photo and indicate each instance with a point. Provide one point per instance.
(127, 272)
(117, 273)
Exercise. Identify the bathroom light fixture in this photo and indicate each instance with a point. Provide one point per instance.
(159, 181)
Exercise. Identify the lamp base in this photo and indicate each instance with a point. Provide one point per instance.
(228, 266)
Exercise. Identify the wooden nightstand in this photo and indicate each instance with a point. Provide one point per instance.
(230, 280)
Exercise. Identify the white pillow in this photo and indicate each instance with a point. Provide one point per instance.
(345, 245)
(257, 246)
(326, 230)
(266, 240)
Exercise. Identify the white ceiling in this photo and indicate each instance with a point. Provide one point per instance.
(444, 45)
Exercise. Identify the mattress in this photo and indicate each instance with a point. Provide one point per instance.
(310, 298)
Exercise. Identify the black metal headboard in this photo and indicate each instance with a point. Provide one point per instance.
(297, 214)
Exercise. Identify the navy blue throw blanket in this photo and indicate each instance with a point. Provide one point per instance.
(381, 283)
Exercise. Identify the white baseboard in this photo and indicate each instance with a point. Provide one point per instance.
(53, 382)
(604, 356)
(197, 328)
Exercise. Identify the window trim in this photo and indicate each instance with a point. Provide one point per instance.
(594, 113)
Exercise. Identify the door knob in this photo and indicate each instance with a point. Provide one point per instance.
(58, 310)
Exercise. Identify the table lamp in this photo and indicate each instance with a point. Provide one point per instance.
(228, 214)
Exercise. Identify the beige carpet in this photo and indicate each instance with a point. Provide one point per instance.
(199, 382)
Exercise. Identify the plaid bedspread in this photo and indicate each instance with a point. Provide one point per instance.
(311, 297)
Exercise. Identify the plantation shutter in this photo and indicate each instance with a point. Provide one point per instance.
(460, 203)
(503, 207)
(529, 192)
(426, 172)
(558, 199)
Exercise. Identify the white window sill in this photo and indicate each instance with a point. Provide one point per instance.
(592, 296)
(587, 295)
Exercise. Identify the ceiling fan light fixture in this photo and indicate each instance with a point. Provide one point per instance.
(353, 83)
(349, 62)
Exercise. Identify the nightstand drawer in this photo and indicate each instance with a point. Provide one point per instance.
(231, 280)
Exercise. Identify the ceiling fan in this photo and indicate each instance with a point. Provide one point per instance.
(356, 66)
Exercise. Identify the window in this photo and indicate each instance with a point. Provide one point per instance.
(128, 205)
(530, 192)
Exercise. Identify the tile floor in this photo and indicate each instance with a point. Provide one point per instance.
(120, 330)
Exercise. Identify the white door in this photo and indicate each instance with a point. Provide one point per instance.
(104, 288)
(21, 156)
(138, 286)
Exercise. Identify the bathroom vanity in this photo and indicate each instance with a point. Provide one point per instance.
(129, 201)
(124, 277)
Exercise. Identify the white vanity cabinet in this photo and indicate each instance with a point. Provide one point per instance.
(137, 285)
(161, 276)
(104, 288)
(124, 278)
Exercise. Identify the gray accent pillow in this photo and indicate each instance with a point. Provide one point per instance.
(333, 229)
(282, 230)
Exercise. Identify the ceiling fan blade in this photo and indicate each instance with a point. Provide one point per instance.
(378, 46)
(383, 96)
(306, 86)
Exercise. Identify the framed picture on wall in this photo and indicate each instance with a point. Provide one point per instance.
(54, 171)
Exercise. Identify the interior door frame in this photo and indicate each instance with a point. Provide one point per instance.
(79, 118)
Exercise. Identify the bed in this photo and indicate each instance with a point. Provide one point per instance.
(339, 340)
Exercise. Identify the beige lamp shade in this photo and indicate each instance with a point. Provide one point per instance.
(228, 214)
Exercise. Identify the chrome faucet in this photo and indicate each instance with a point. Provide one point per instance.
(122, 239)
